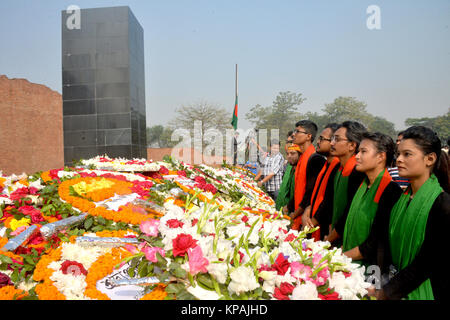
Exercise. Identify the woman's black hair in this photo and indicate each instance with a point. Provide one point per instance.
(428, 141)
(383, 143)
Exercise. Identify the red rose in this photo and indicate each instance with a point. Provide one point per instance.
(19, 194)
(209, 187)
(5, 280)
(281, 265)
(200, 180)
(331, 296)
(182, 173)
(36, 239)
(174, 223)
(286, 288)
(277, 294)
(182, 243)
(163, 170)
(73, 267)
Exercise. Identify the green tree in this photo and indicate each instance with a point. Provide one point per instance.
(349, 108)
(159, 136)
(440, 124)
(282, 114)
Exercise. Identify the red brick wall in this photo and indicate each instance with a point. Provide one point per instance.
(31, 129)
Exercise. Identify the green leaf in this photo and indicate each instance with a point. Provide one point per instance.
(161, 260)
(142, 269)
(29, 260)
(101, 220)
(174, 288)
(88, 223)
(5, 259)
(15, 276)
(185, 295)
(131, 272)
(205, 280)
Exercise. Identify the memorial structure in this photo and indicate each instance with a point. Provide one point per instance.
(103, 84)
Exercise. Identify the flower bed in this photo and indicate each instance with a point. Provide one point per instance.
(203, 233)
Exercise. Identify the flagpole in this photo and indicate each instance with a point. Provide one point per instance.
(235, 130)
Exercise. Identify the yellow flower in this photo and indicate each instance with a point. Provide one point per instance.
(14, 224)
(83, 187)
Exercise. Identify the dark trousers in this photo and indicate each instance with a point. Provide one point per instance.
(273, 194)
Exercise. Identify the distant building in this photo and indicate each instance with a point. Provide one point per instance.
(103, 85)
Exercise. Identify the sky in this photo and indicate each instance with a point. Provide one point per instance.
(321, 49)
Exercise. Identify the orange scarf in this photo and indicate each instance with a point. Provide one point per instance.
(319, 188)
(300, 181)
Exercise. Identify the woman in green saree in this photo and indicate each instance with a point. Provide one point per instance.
(419, 221)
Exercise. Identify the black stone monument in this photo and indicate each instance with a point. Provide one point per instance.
(103, 84)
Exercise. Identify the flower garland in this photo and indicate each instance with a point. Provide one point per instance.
(125, 213)
(102, 267)
(11, 293)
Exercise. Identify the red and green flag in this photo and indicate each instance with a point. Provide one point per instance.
(234, 121)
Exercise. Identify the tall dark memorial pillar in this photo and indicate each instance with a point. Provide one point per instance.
(103, 85)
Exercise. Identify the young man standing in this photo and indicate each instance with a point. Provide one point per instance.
(344, 145)
(323, 186)
(287, 189)
(272, 170)
(308, 167)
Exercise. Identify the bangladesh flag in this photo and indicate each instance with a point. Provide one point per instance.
(235, 115)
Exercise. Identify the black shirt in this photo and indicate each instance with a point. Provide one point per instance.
(315, 164)
(326, 213)
(430, 262)
(322, 218)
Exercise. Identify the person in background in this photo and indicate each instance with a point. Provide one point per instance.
(393, 170)
(308, 168)
(289, 139)
(272, 170)
(365, 232)
(344, 145)
(323, 185)
(419, 222)
(287, 188)
(253, 166)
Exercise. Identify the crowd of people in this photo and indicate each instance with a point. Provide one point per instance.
(385, 203)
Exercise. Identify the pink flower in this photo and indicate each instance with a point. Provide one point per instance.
(300, 271)
(197, 262)
(150, 227)
(131, 248)
(18, 230)
(150, 253)
(316, 259)
(321, 277)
